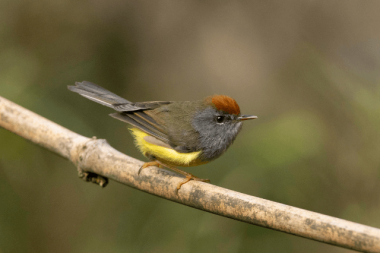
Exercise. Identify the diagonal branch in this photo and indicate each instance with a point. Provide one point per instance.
(96, 156)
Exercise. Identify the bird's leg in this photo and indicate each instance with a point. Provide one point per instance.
(188, 176)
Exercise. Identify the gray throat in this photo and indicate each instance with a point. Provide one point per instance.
(214, 139)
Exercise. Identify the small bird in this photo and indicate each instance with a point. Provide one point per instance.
(171, 134)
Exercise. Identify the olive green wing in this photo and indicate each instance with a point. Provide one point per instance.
(143, 122)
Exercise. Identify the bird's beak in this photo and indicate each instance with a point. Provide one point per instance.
(247, 117)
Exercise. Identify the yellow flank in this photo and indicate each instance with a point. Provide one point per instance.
(165, 155)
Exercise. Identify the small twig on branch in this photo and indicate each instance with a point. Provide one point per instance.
(96, 156)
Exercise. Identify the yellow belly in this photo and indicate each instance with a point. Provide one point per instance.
(165, 155)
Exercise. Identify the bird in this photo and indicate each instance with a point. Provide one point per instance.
(174, 134)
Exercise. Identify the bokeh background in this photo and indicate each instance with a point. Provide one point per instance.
(308, 69)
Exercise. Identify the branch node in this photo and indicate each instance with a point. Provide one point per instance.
(86, 175)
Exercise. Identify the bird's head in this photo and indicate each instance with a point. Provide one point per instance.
(218, 124)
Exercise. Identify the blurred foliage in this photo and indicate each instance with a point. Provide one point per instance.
(308, 69)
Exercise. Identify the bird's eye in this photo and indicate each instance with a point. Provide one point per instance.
(220, 119)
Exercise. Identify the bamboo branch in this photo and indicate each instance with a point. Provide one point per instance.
(96, 156)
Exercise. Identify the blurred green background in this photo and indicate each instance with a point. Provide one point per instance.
(308, 69)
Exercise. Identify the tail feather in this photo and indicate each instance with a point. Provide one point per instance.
(102, 96)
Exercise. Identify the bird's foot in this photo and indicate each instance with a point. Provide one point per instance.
(148, 164)
(186, 174)
(190, 177)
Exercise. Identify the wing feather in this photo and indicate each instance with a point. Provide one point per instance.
(126, 117)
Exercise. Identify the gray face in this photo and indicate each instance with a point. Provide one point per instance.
(217, 131)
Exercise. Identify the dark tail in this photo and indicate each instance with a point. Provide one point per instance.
(102, 96)
(97, 94)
